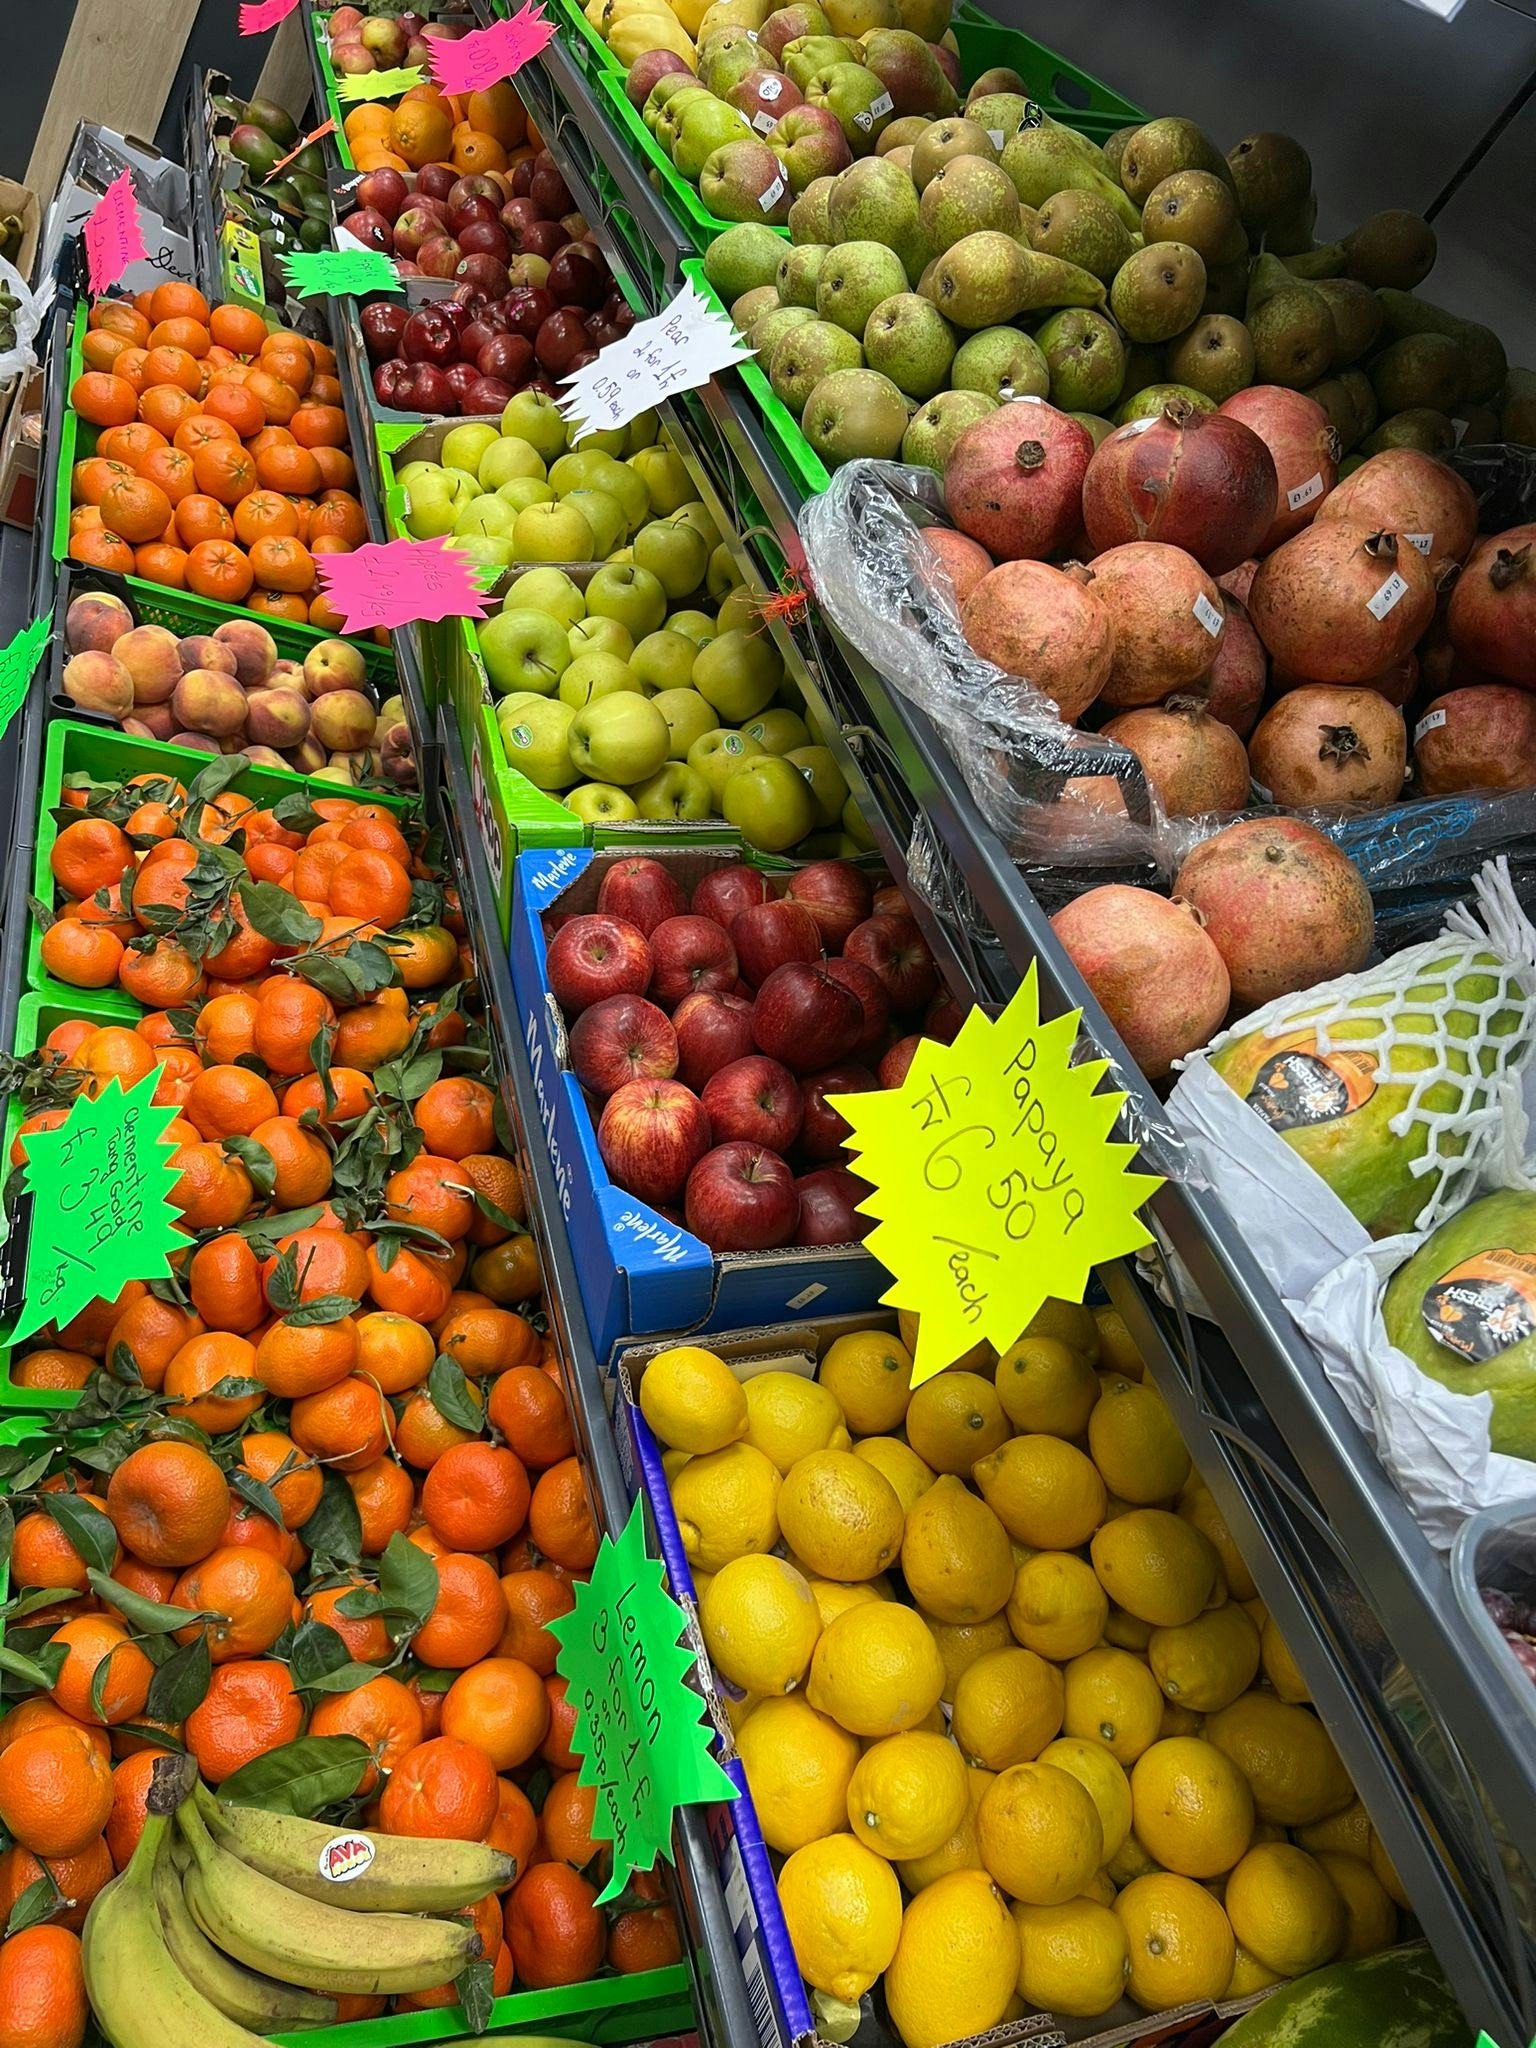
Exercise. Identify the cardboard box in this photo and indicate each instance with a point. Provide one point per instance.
(638, 1271)
(162, 188)
(22, 200)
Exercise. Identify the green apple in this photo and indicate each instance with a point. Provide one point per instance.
(723, 576)
(412, 472)
(590, 676)
(856, 829)
(824, 779)
(486, 514)
(601, 803)
(717, 755)
(605, 441)
(770, 804)
(688, 718)
(737, 610)
(695, 626)
(509, 457)
(591, 470)
(778, 730)
(675, 555)
(738, 672)
(553, 533)
(534, 417)
(667, 484)
(537, 739)
(600, 636)
(641, 432)
(624, 554)
(552, 591)
(523, 649)
(630, 594)
(605, 515)
(492, 551)
(676, 791)
(696, 514)
(434, 501)
(464, 446)
(622, 738)
(522, 491)
(664, 661)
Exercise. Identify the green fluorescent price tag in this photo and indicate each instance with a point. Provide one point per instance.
(638, 1731)
(101, 1203)
(18, 663)
(333, 273)
(378, 85)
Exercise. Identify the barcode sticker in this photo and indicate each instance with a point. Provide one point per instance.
(806, 1295)
(764, 122)
(1430, 722)
(1424, 542)
(771, 89)
(1263, 795)
(997, 137)
(1208, 615)
(1305, 493)
(1388, 595)
(770, 198)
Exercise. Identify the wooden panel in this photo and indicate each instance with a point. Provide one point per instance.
(285, 75)
(118, 68)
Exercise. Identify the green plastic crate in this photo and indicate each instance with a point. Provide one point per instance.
(790, 445)
(1066, 92)
(333, 106)
(683, 198)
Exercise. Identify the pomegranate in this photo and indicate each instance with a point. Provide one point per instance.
(1412, 494)
(1397, 683)
(966, 561)
(1198, 480)
(1492, 616)
(1194, 762)
(1480, 738)
(1303, 445)
(1232, 688)
(1280, 903)
(1323, 745)
(1167, 617)
(1033, 621)
(1014, 480)
(1239, 581)
(1340, 603)
(1157, 976)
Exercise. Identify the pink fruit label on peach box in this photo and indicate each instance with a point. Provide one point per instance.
(113, 236)
(486, 55)
(401, 583)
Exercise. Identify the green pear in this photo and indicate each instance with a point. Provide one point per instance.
(989, 279)
(854, 412)
(797, 273)
(965, 196)
(941, 140)
(1001, 362)
(853, 281)
(1044, 161)
(910, 341)
(935, 427)
(1083, 228)
(742, 259)
(806, 355)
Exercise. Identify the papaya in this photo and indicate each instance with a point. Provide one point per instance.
(1397, 1999)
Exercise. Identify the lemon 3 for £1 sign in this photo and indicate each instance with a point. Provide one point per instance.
(996, 1182)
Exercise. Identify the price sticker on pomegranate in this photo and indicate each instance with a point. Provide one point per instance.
(1388, 595)
(995, 1181)
(678, 350)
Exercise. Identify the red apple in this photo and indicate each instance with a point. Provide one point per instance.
(897, 952)
(725, 891)
(371, 229)
(643, 891)
(382, 323)
(741, 1198)
(890, 902)
(487, 394)
(526, 311)
(435, 181)
(651, 1136)
(429, 336)
(770, 934)
(472, 185)
(806, 1018)
(438, 257)
(825, 1130)
(713, 1029)
(486, 273)
(690, 953)
(542, 239)
(560, 340)
(622, 1038)
(829, 1200)
(755, 1099)
(486, 238)
(870, 990)
(428, 390)
(575, 278)
(389, 384)
(593, 957)
(461, 379)
(547, 188)
(507, 356)
(893, 1068)
(836, 895)
(942, 1018)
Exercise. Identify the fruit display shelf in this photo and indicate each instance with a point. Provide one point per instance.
(701, 226)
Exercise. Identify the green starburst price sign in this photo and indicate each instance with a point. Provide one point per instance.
(638, 1731)
(996, 1182)
(101, 1203)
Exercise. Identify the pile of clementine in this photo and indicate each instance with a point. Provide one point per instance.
(478, 131)
(221, 463)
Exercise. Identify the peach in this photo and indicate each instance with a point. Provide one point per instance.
(205, 701)
(199, 742)
(97, 681)
(152, 658)
(253, 647)
(286, 674)
(278, 718)
(158, 720)
(95, 622)
(334, 665)
(264, 757)
(343, 720)
(201, 650)
(308, 757)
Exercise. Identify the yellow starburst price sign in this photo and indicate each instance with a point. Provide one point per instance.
(996, 1182)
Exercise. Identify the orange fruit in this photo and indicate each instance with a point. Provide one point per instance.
(566, 1820)
(42, 1990)
(211, 1191)
(365, 1636)
(225, 1284)
(175, 300)
(476, 1496)
(249, 1708)
(529, 1410)
(130, 1791)
(53, 1371)
(199, 1365)
(168, 1502)
(135, 508)
(239, 328)
(560, 1517)
(430, 1192)
(89, 1641)
(372, 885)
(442, 1789)
(508, 1272)
(104, 398)
(249, 1598)
(324, 1261)
(554, 1928)
(371, 1033)
(79, 1879)
(412, 1285)
(488, 1340)
(295, 1360)
(383, 1713)
(644, 1940)
(42, 1554)
(264, 1453)
(424, 1433)
(467, 1618)
(500, 1706)
(162, 977)
(351, 1093)
(90, 854)
(302, 1162)
(152, 1332)
(394, 1352)
(556, 1749)
(534, 1598)
(386, 1500)
(229, 1102)
(348, 1424)
(290, 1014)
(283, 563)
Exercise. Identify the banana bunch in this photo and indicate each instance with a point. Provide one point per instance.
(224, 1926)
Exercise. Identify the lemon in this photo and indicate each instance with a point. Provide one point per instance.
(869, 1375)
(1198, 1508)
(1111, 1697)
(1191, 1807)
(839, 1516)
(1205, 1664)
(962, 1851)
(1129, 1862)
(876, 1670)
(1046, 1387)
(1057, 1607)
(1178, 1721)
(1007, 1707)
(842, 1906)
(1155, 1566)
(726, 1504)
(956, 1965)
(1100, 1888)
(1039, 1834)
(1370, 1916)
(672, 1462)
(798, 1764)
(833, 1599)
(760, 1623)
(737, 1710)
(1287, 1757)
(1285, 1909)
(1101, 1778)
(900, 1464)
(1043, 1491)
(1342, 1834)
(907, 1795)
(1248, 1975)
(1124, 1630)
(1072, 1958)
(1117, 1349)
(1136, 1445)
(693, 1401)
(1280, 1667)
(1179, 1940)
(1069, 1323)
(961, 1643)
(1386, 1874)
(955, 1418)
(789, 1416)
(955, 1555)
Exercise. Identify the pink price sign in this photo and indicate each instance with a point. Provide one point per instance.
(113, 238)
(401, 583)
(257, 16)
(477, 61)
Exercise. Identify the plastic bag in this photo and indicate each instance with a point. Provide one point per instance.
(31, 310)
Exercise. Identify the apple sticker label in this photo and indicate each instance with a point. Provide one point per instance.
(770, 198)
(764, 122)
(771, 89)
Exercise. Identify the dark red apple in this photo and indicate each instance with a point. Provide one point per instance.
(756, 1099)
(487, 394)
(690, 953)
(487, 273)
(741, 1198)
(372, 229)
(462, 378)
(526, 311)
(522, 178)
(436, 181)
(438, 257)
(651, 1136)
(385, 192)
(428, 389)
(473, 185)
(486, 238)
(518, 214)
(390, 381)
(825, 1130)
(942, 1018)
(893, 1068)
(469, 210)
(889, 902)
(829, 1200)
(870, 990)
(544, 238)
(724, 891)
(507, 356)
(560, 340)
(766, 935)
(806, 1018)
(593, 957)
(836, 895)
(642, 891)
(383, 323)
(547, 188)
(713, 1029)
(898, 953)
(575, 279)
(622, 1038)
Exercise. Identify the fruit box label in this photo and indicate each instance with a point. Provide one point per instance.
(1484, 1306)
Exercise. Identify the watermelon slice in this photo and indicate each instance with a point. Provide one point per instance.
(1397, 1999)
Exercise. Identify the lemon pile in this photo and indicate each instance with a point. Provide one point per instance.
(1064, 1759)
